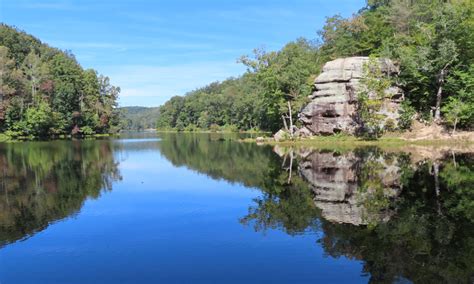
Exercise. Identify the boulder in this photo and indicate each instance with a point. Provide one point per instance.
(281, 135)
(332, 108)
(303, 132)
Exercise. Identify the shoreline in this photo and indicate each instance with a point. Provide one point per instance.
(352, 141)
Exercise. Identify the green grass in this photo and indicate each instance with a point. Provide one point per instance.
(347, 141)
(209, 131)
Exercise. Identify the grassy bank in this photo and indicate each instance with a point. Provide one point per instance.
(347, 141)
(7, 138)
(212, 131)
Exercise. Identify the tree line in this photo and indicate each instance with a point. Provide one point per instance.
(45, 92)
(433, 41)
(138, 118)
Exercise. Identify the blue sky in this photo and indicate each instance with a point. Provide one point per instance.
(154, 50)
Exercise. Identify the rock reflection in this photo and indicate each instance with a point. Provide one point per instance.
(406, 219)
(354, 187)
(406, 214)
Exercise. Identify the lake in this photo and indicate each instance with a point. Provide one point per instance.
(200, 208)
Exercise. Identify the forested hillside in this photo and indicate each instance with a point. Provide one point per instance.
(138, 118)
(44, 91)
(433, 41)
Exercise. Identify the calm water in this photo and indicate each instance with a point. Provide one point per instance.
(204, 208)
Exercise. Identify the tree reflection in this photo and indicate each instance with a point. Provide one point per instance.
(404, 220)
(403, 217)
(423, 242)
(42, 182)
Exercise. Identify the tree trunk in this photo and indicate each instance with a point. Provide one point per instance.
(284, 122)
(439, 94)
(437, 116)
(436, 177)
(291, 118)
(291, 167)
(436, 180)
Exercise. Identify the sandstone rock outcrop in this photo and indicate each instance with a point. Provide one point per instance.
(333, 103)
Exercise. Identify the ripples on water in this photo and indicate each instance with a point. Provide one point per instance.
(191, 208)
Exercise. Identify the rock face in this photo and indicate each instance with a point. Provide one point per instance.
(333, 103)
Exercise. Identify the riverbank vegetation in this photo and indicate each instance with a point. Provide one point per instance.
(433, 41)
(44, 92)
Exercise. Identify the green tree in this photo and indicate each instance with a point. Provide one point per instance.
(39, 119)
(286, 79)
(34, 71)
(6, 88)
(454, 111)
(371, 99)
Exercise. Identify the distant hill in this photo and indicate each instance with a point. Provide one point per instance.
(138, 118)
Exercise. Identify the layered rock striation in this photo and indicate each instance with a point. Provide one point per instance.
(333, 106)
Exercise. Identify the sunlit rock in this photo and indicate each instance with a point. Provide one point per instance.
(333, 102)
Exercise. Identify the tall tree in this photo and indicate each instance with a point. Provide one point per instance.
(286, 77)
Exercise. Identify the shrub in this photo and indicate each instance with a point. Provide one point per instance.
(190, 128)
(390, 125)
(407, 114)
(87, 130)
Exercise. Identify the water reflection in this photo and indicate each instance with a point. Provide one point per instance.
(404, 218)
(41, 182)
(356, 187)
(405, 214)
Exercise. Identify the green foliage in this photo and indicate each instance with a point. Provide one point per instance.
(4, 138)
(432, 40)
(407, 113)
(44, 91)
(256, 100)
(38, 120)
(460, 106)
(285, 76)
(455, 110)
(371, 99)
(390, 125)
(431, 46)
(87, 130)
